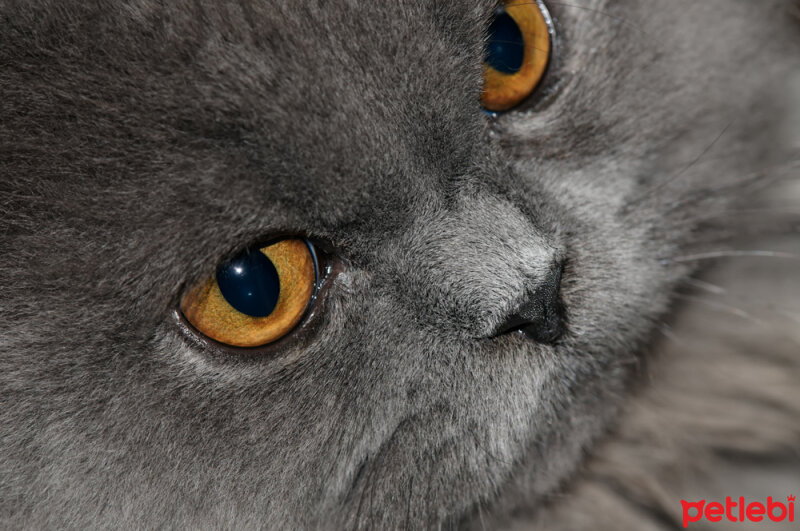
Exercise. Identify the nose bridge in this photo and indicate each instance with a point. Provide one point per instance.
(472, 265)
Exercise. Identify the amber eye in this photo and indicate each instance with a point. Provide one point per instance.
(517, 51)
(257, 297)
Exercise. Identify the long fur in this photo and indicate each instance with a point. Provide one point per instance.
(143, 143)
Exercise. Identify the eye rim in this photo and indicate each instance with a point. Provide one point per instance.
(547, 84)
(327, 265)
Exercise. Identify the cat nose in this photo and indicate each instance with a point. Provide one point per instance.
(541, 315)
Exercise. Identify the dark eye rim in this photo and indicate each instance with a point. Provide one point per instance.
(545, 92)
(327, 267)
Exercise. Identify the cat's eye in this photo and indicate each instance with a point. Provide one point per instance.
(517, 52)
(257, 297)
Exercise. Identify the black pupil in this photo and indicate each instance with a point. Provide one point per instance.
(505, 50)
(250, 283)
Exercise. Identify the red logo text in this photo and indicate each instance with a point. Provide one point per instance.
(738, 510)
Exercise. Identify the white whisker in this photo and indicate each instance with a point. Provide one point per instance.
(760, 306)
(665, 329)
(730, 254)
(706, 286)
(727, 308)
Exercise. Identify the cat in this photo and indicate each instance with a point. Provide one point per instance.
(144, 143)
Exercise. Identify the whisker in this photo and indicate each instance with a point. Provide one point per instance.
(661, 185)
(727, 308)
(665, 329)
(626, 22)
(480, 515)
(622, 20)
(730, 254)
(706, 286)
(760, 306)
(744, 212)
(746, 185)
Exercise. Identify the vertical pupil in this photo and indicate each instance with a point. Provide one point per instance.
(250, 283)
(505, 49)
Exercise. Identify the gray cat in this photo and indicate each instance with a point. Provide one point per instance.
(508, 327)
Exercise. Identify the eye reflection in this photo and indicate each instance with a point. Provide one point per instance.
(250, 283)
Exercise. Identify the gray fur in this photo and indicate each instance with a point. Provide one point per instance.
(140, 144)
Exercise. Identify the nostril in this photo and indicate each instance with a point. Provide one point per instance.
(541, 316)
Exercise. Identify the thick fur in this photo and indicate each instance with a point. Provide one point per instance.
(141, 144)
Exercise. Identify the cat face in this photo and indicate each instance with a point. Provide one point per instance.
(149, 144)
